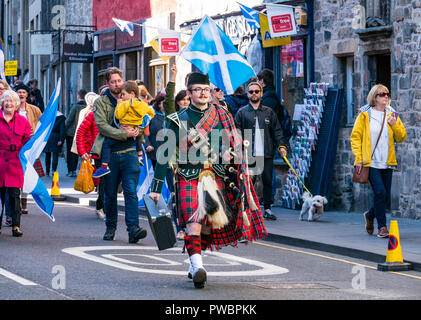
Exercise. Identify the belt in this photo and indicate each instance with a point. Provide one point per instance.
(205, 165)
(124, 151)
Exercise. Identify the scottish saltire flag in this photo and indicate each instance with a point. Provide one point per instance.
(213, 52)
(1, 63)
(31, 151)
(145, 179)
(251, 16)
(125, 26)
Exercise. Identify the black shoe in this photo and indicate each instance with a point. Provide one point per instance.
(137, 234)
(109, 235)
(17, 232)
(268, 215)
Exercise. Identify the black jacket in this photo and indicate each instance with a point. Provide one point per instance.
(271, 100)
(57, 134)
(156, 124)
(268, 121)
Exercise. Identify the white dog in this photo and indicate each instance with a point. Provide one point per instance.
(314, 206)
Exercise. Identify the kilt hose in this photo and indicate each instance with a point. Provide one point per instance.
(234, 230)
(38, 168)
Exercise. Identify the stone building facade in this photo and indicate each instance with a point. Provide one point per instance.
(359, 44)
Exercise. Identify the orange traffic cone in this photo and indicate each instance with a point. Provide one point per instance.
(55, 189)
(394, 260)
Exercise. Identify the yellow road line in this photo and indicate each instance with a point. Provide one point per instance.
(334, 259)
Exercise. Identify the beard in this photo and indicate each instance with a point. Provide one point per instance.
(115, 91)
(255, 100)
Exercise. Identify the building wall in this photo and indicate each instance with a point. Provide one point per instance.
(336, 37)
(104, 10)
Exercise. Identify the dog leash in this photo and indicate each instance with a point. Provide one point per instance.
(289, 164)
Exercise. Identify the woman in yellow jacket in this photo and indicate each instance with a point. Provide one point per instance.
(365, 133)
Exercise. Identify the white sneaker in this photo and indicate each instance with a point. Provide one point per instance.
(100, 214)
(199, 277)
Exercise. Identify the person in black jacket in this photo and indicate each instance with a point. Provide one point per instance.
(55, 143)
(271, 100)
(256, 116)
(236, 101)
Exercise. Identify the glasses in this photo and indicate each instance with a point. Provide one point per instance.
(200, 90)
(383, 94)
(254, 91)
(217, 89)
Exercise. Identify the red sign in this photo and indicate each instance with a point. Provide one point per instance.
(170, 45)
(282, 23)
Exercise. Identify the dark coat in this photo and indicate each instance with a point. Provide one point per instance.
(57, 134)
(268, 121)
(236, 102)
(156, 124)
(271, 100)
(73, 118)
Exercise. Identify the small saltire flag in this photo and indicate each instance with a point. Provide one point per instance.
(213, 53)
(31, 151)
(251, 16)
(125, 26)
(145, 179)
(2, 63)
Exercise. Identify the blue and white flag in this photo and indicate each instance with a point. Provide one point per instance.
(31, 151)
(125, 26)
(1, 63)
(145, 180)
(251, 16)
(213, 53)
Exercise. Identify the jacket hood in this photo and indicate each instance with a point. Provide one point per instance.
(367, 107)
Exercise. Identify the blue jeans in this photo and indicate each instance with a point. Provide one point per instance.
(381, 183)
(124, 167)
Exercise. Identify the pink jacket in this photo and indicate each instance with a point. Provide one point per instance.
(13, 136)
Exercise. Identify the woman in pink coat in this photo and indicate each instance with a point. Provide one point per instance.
(15, 131)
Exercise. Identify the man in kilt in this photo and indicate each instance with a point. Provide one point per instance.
(216, 211)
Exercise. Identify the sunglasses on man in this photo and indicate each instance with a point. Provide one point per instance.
(254, 91)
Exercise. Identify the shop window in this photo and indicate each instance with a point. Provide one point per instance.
(345, 81)
(131, 66)
(292, 70)
(377, 13)
(379, 70)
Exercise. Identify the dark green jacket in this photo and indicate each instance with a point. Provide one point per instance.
(73, 117)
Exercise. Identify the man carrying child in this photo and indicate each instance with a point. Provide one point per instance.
(123, 161)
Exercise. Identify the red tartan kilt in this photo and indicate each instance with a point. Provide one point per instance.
(187, 193)
(38, 168)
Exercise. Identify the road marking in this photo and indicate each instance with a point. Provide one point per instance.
(260, 268)
(335, 259)
(17, 278)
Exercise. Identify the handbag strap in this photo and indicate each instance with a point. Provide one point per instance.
(381, 131)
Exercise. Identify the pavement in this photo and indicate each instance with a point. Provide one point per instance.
(335, 232)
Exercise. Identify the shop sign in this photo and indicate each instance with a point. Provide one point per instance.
(77, 47)
(169, 43)
(125, 41)
(281, 20)
(11, 68)
(41, 44)
(267, 39)
(106, 41)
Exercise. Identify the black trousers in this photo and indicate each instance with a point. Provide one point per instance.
(72, 158)
(14, 201)
(266, 176)
(48, 161)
